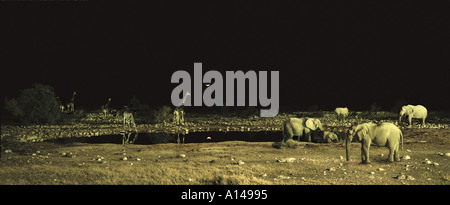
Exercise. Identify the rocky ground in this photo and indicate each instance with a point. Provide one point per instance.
(35, 160)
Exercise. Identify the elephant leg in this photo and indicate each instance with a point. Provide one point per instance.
(423, 121)
(365, 152)
(287, 136)
(396, 154)
(409, 119)
(391, 155)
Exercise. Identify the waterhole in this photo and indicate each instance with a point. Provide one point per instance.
(193, 137)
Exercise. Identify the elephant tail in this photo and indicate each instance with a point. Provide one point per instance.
(401, 137)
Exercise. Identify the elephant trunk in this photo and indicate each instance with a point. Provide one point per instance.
(347, 146)
(400, 115)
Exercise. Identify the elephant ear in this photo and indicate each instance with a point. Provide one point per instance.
(364, 130)
(311, 124)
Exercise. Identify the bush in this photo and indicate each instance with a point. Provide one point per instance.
(37, 105)
(144, 114)
(163, 114)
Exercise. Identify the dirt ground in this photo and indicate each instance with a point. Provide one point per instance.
(425, 161)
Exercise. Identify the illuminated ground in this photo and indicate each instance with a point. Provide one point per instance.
(230, 162)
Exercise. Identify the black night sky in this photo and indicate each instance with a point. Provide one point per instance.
(336, 54)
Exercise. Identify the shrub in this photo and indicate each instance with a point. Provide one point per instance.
(144, 114)
(37, 104)
(163, 114)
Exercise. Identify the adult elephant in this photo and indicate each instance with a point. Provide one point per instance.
(382, 134)
(413, 111)
(342, 113)
(303, 128)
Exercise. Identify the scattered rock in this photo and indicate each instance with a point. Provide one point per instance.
(8, 151)
(440, 154)
(287, 159)
(371, 172)
(281, 177)
(181, 156)
(332, 169)
(435, 164)
(427, 161)
(240, 162)
(447, 154)
(380, 169)
(409, 177)
(124, 158)
(406, 157)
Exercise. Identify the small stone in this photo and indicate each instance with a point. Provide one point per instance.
(290, 159)
(440, 154)
(447, 154)
(138, 159)
(240, 162)
(8, 151)
(124, 158)
(406, 157)
(181, 156)
(371, 172)
(332, 169)
(380, 169)
(401, 176)
(435, 164)
(410, 178)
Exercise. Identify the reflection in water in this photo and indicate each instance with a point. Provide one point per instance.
(192, 137)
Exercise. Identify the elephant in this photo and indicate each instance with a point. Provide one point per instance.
(382, 134)
(325, 137)
(303, 128)
(341, 112)
(413, 111)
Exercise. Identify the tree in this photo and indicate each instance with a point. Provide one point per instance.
(37, 104)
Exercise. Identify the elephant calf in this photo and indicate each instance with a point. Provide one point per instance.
(325, 137)
(382, 134)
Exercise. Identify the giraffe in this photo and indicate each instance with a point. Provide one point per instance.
(61, 106)
(179, 111)
(128, 122)
(71, 104)
(105, 108)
